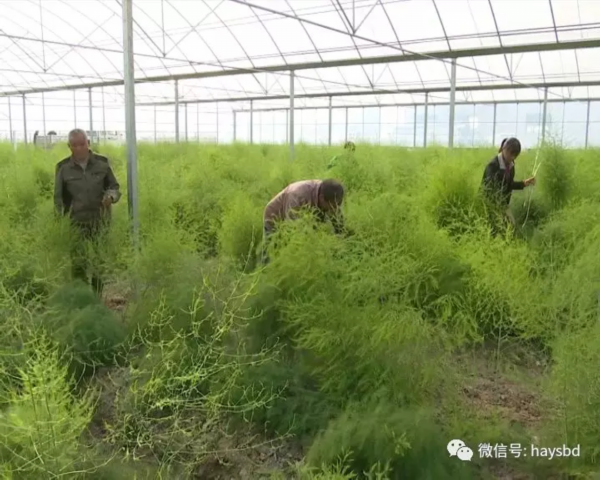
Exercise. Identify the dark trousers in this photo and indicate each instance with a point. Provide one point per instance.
(85, 255)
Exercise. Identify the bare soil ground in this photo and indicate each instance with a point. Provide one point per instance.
(510, 390)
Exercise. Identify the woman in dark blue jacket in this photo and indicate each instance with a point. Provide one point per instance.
(499, 177)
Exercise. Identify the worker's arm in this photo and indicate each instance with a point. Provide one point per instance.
(517, 185)
(60, 194)
(111, 186)
(268, 226)
(337, 220)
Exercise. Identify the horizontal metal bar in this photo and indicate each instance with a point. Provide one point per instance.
(471, 88)
(445, 54)
(381, 105)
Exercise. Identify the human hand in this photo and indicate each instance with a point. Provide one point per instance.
(529, 181)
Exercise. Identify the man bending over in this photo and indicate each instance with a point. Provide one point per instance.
(324, 197)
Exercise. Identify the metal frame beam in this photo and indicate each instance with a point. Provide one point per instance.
(425, 120)
(10, 122)
(44, 115)
(292, 106)
(414, 57)
(414, 91)
(251, 122)
(103, 117)
(544, 115)
(452, 105)
(25, 119)
(587, 123)
(176, 103)
(330, 121)
(131, 137)
(494, 124)
(91, 113)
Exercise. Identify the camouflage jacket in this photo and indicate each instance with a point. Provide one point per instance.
(79, 191)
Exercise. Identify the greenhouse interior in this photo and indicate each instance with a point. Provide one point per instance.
(299, 239)
(390, 72)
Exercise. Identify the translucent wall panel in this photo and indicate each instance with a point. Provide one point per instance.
(420, 126)
(554, 121)
(371, 122)
(529, 121)
(322, 134)
(594, 125)
(242, 128)
(405, 126)
(338, 126)
(438, 125)
(386, 125)
(355, 124)
(574, 123)
(464, 125)
(483, 125)
(506, 121)
(6, 120)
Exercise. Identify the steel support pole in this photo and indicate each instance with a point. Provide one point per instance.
(198, 122)
(185, 108)
(287, 125)
(362, 110)
(234, 126)
(103, 116)
(494, 126)
(91, 113)
(10, 124)
(75, 107)
(346, 126)
(587, 123)
(154, 124)
(217, 114)
(473, 130)
(330, 120)
(517, 120)
(251, 121)
(452, 104)
(177, 111)
(379, 124)
(44, 114)
(425, 120)
(24, 120)
(130, 132)
(292, 84)
(414, 126)
(544, 112)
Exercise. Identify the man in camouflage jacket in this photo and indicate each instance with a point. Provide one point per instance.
(84, 190)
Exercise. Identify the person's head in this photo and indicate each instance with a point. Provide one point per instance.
(510, 149)
(349, 146)
(79, 144)
(331, 195)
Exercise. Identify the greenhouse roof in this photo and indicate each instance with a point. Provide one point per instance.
(238, 50)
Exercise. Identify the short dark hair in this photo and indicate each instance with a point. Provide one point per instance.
(512, 145)
(332, 191)
(350, 146)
